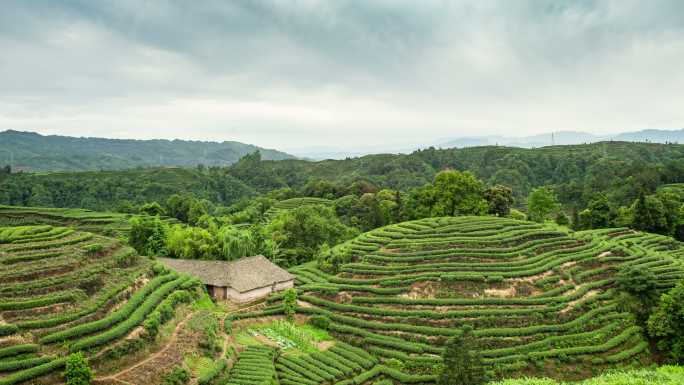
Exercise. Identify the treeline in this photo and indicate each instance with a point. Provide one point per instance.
(123, 191)
(595, 185)
(297, 234)
(619, 169)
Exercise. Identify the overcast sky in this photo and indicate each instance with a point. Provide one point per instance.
(297, 74)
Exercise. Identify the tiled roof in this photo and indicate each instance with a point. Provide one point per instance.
(242, 275)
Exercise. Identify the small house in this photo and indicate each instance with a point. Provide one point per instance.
(243, 280)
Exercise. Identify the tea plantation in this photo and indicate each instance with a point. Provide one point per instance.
(64, 290)
(110, 224)
(289, 204)
(542, 301)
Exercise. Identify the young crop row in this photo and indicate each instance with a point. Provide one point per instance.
(338, 362)
(254, 367)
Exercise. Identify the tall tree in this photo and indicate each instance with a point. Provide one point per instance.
(462, 363)
(458, 193)
(540, 203)
(650, 214)
(667, 323)
(499, 199)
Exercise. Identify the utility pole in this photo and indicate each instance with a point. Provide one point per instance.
(553, 140)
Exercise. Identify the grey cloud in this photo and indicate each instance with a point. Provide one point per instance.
(337, 68)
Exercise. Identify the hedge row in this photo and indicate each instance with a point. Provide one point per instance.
(50, 299)
(15, 350)
(31, 373)
(123, 313)
(7, 329)
(9, 366)
(52, 245)
(135, 318)
(100, 301)
(390, 312)
(30, 257)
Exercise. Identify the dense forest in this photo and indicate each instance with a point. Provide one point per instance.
(620, 170)
(34, 152)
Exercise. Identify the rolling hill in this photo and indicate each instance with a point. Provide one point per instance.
(567, 138)
(541, 300)
(30, 151)
(65, 290)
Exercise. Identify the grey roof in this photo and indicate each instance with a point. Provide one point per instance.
(242, 275)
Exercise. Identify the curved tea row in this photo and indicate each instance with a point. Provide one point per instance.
(535, 296)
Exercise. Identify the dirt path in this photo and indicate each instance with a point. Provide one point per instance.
(118, 377)
(586, 296)
(169, 344)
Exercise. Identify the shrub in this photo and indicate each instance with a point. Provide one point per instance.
(93, 248)
(77, 371)
(177, 376)
(320, 321)
(290, 303)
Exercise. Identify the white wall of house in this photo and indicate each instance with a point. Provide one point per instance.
(284, 285)
(252, 295)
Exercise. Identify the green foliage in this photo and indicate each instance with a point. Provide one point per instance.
(179, 375)
(290, 303)
(462, 363)
(667, 322)
(236, 243)
(93, 248)
(659, 213)
(452, 193)
(320, 321)
(148, 235)
(640, 282)
(666, 375)
(77, 371)
(499, 200)
(152, 209)
(191, 243)
(639, 288)
(303, 230)
(598, 214)
(213, 373)
(540, 203)
(123, 191)
(562, 218)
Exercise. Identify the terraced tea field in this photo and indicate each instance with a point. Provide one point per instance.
(289, 204)
(63, 290)
(111, 224)
(541, 301)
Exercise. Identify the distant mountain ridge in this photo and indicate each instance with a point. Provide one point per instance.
(31, 151)
(566, 138)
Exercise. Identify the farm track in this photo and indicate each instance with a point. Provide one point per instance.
(168, 345)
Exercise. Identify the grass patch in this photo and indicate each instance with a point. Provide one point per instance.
(204, 303)
(290, 336)
(199, 365)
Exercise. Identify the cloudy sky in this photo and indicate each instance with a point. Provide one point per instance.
(348, 74)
